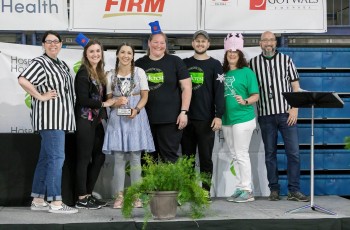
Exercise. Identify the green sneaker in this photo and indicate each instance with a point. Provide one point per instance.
(244, 197)
(236, 194)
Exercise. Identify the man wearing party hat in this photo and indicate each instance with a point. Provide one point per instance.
(207, 104)
(238, 121)
(276, 72)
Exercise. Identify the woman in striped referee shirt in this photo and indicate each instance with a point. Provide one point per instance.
(50, 84)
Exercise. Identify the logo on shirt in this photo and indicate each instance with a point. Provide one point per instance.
(229, 88)
(197, 77)
(155, 78)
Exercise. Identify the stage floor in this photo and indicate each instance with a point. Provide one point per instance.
(260, 214)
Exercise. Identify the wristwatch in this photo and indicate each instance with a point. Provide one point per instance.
(184, 110)
(246, 102)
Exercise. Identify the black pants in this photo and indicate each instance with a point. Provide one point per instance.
(199, 133)
(89, 140)
(167, 138)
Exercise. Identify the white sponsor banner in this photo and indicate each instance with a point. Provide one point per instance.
(33, 15)
(14, 102)
(130, 16)
(256, 16)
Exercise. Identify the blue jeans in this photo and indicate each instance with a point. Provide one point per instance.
(48, 173)
(270, 125)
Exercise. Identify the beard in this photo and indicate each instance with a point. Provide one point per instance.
(269, 53)
(198, 52)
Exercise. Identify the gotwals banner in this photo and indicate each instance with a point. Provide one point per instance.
(175, 16)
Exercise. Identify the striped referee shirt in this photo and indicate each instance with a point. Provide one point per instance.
(274, 77)
(49, 74)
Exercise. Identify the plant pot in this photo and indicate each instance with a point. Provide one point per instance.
(163, 204)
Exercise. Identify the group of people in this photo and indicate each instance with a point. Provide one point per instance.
(157, 104)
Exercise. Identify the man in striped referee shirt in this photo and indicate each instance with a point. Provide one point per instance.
(276, 73)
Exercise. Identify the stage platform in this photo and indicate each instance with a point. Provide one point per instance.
(260, 214)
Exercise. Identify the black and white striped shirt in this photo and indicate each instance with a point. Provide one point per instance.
(48, 74)
(274, 77)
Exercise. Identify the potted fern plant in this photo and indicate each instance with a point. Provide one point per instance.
(179, 180)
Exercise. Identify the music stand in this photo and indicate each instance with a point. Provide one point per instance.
(307, 99)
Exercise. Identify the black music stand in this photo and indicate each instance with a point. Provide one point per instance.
(314, 100)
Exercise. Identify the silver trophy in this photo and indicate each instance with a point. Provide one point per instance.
(125, 87)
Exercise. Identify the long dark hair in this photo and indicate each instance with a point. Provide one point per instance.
(242, 62)
(99, 74)
(132, 61)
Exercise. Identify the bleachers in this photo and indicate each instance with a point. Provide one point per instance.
(322, 69)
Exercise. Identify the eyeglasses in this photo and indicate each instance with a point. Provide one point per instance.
(52, 41)
(268, 40)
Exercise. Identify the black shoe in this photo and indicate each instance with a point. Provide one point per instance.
(86, 203)
(297, 196)
(274, 196)
(97, 201)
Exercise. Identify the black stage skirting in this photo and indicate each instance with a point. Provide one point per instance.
(18, 157)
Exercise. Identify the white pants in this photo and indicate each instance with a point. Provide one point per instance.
(238, 139)
(119, 169)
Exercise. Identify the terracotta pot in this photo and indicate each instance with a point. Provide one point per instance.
(163, 205)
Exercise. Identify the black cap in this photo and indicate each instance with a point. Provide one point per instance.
(200, 32)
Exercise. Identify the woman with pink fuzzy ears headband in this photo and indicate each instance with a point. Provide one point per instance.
(238, 121)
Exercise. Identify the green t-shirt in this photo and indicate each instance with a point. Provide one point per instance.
(242, 82)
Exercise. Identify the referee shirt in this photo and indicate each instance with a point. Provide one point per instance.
(274, 76)
(47, 74)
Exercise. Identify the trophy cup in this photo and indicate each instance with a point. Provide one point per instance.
(125, 88)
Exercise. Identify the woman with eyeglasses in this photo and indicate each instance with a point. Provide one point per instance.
(238, 121)
(128, 131)
(49, 82)
(90, 110)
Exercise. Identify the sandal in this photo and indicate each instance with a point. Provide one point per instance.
(137, 203)
(118, 203)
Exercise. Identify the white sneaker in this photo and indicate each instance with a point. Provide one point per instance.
(64, 209)
(44, 206)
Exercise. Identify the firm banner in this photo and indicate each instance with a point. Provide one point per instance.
(15, 118)
(130, 16)
(33, 15)
(256, 16)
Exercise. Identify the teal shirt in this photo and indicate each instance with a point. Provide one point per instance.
(243, 82)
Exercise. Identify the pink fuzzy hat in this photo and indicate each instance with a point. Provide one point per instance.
(234, 41)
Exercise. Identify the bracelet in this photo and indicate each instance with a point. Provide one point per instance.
(184, 110)
(137, 109)
(102, 105)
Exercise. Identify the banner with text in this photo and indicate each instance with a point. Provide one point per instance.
(256, 16)
(33, 15)
(127, 16)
